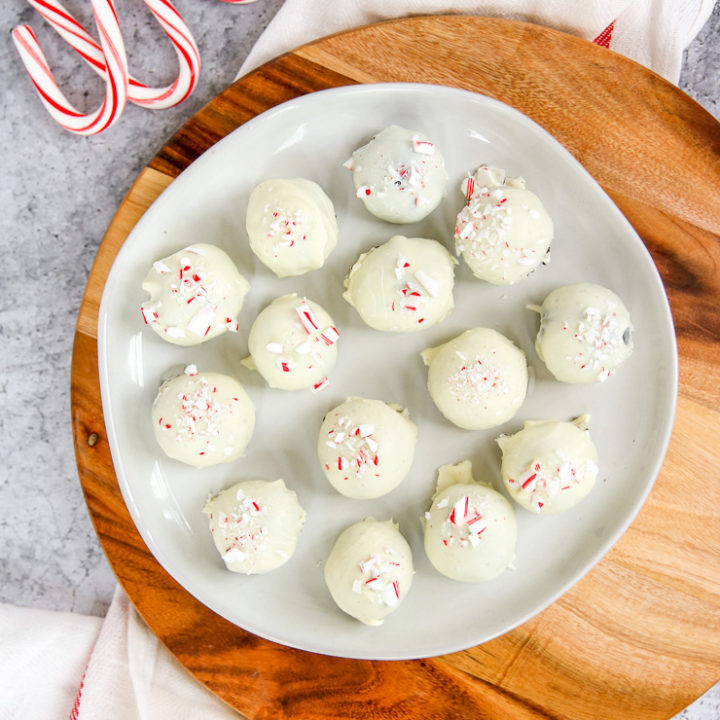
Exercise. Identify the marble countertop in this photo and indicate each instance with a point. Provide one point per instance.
(58, 196)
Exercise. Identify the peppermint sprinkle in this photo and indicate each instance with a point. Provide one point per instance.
(191, 370)
(201, 323)
(363, 191)
(468, 188)
(602, 335)
(330, 335)
(542, 483)
(286, 365)
(150, 312)
(160, 267)
(320, 385)
(430, 284)
(379, 578)
(355, 442)
(424, 147)
(465, 523)
(477, 382)
(307, 318)
(274, 347)
(243, 530)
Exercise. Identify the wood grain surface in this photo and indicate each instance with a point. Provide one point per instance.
(639, 636)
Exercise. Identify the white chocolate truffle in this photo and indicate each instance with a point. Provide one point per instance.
(399, 175)
(548, 466)
(369, 570)
(503, 232)
(470, 529)
(255, 525)
(366, 447)
(195, 295)
(291, 225)
(203, 419)
(293, 344)
(404, 285)
(585, 333)
(477, 380)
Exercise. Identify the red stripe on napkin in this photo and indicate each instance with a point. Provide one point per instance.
(603, 39)
(76, 704)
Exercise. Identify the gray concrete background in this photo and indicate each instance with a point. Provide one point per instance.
(57, 196)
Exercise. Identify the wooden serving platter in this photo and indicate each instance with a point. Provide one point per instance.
(639, 636)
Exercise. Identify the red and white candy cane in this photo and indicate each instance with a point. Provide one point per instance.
(173, 25)
(116, 82)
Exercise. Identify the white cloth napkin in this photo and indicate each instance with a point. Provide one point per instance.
(652, 32)
(62, 666)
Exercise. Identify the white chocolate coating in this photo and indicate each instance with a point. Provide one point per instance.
(255, 525)
(478, 379)
(470, 529)
(399, 175)
(503, 232)
(293, 344)
(585, 333)
(291, 225)
(195, 295)
(404, 285)
(548, 466)
(203, 419)
(369, 570)
(366, 447)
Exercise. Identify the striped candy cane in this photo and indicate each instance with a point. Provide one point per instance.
(173, 25)
(116, 75)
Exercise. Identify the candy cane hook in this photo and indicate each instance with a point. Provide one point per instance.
(116, 84)
(173, 25)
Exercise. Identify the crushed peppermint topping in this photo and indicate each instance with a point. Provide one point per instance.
(465, 522)
(415, 288)
(151, 312)
(356, 447)
(476, 381)
(379, 576)
(544, 482)
(321, 385)
(284, 229)
(200, 414)
(243, 529)
(601, 335)
(424, 147)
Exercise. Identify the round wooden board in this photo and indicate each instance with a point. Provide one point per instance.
(639, 636)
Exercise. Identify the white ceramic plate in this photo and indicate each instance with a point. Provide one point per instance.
(632, 413)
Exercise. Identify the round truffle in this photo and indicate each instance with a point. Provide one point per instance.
(548, 466)
(585, 333)
(369, 570)
(503, 232)
(399, 175)
(203, 419)
(255, 525)
(195, 295)
(291, 225)
(404, 285)
(293, 344)
(470, 529)
(477, 380)
(366, 447)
